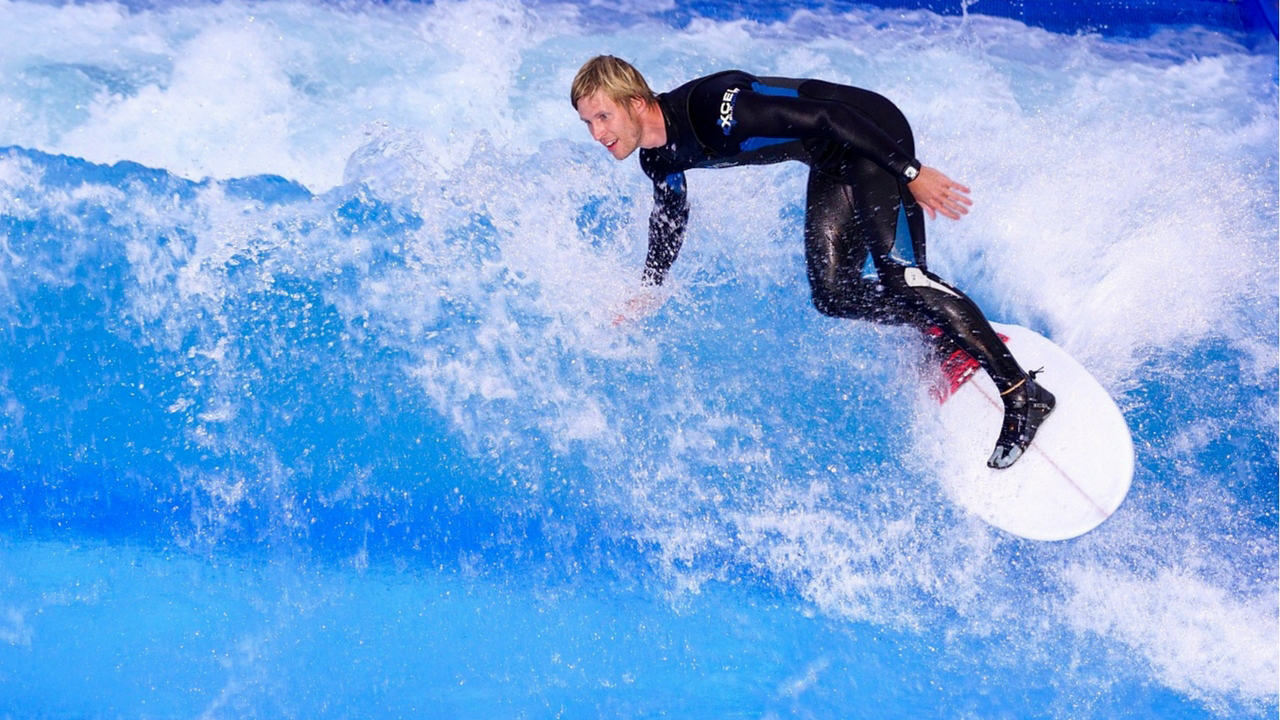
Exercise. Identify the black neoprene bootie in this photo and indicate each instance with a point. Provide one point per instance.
(1025, 408)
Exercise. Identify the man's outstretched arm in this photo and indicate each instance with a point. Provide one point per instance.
(667, 224)
(804, 118)
(801, 118)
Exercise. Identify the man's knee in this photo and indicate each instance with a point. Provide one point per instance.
(827, 305)
(915, 278)
(852, 301)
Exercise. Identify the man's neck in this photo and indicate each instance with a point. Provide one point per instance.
(653, 126)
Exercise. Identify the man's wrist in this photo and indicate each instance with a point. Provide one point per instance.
(912, 171)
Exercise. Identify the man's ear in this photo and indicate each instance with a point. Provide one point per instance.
(638, 104)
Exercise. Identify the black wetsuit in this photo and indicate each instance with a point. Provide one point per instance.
(861, 156)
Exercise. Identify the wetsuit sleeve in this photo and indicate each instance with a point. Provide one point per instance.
(761, 118)
(666, 226)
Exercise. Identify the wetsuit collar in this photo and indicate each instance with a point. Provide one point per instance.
(673, 134)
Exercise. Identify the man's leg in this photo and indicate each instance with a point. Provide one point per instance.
(848, 223)
(836, 251)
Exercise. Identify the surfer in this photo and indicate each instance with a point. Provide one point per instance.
(864, 180)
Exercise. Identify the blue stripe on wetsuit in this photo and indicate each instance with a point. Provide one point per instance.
(774, 90)
(755, 143)
(903, 251)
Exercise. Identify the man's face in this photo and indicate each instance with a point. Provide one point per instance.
(614, 125)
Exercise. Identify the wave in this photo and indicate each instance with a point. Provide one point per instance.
(332, 288)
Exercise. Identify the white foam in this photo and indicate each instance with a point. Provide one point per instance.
(237, 89)
(1198, 637)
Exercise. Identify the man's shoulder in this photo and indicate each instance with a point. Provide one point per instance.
(695, 97)
(693, 113)
(710, 108)
(722, 78)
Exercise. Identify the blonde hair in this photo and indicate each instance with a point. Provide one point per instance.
(618, 79)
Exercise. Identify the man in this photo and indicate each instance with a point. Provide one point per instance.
(863, 181)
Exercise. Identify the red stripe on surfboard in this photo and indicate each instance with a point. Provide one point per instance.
(958, 370)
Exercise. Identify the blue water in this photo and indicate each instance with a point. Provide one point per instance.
(313, 406)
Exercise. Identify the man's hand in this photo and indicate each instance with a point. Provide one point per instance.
(939, 194)
(639, 306)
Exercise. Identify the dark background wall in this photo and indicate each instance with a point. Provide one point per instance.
(1253, 20)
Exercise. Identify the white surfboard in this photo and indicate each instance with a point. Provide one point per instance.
(1074, 475)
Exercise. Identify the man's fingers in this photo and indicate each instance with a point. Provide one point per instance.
(951, 202)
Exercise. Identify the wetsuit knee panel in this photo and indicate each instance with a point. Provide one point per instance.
(918, 279)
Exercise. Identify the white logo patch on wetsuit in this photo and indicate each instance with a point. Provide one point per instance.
(726, 109)
(916, 278)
